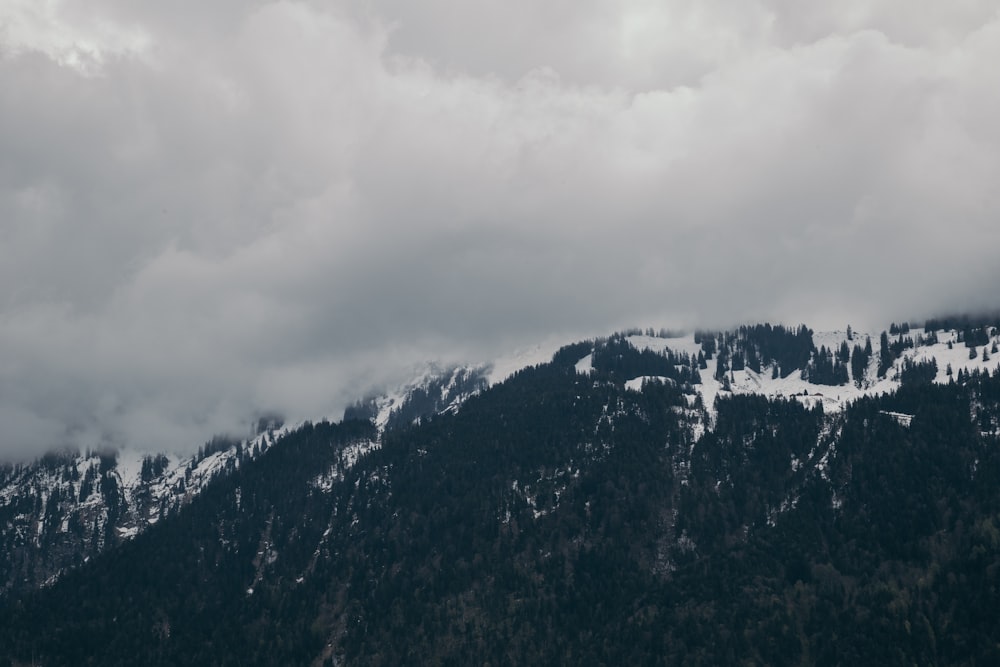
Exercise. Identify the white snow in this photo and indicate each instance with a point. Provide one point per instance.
(679, 344)
(349, 456)
(902, 418)
(145, 500)
(635, 384)
(393, 399)
(130, 467)
(422, 376)
(832, 398)
(127, 533)
(507, 365)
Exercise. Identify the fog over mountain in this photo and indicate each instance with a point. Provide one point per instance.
(211, 211)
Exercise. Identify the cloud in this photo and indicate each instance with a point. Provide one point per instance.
(209, 212)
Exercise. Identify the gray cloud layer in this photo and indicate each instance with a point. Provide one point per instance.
(207, 211)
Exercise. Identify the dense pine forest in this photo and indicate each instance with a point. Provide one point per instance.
(563, 517)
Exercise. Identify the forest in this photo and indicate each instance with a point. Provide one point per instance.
(562, 518)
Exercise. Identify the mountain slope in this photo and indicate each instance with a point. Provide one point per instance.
(68, 506)
(570, 515)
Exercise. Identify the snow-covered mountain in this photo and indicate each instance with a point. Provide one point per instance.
(761, 476)
(946, 350)
(62, 509)
(65, 507)
(434, 389)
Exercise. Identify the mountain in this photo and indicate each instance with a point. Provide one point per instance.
(756, 495)
(68, 506)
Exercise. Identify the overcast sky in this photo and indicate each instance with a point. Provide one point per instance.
(211, 209)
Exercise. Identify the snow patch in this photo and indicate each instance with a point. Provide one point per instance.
(677, 345)
(534, 355)
(635, 384)
(347, 459)
(833, 398)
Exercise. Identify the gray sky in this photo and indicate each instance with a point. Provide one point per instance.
(208, 210)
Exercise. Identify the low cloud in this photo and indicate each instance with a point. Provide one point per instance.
(281, 206)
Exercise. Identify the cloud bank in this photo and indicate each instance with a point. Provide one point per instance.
(206, 212)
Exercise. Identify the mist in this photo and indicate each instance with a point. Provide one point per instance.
(207, 213)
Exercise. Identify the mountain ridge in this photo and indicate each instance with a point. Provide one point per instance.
(610, 445)
(130, 500)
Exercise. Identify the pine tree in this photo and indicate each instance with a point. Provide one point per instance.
(884, 355)
(859, 363)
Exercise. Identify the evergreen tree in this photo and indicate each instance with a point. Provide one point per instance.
(884, 355)
(859, 364)
(562, 519)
